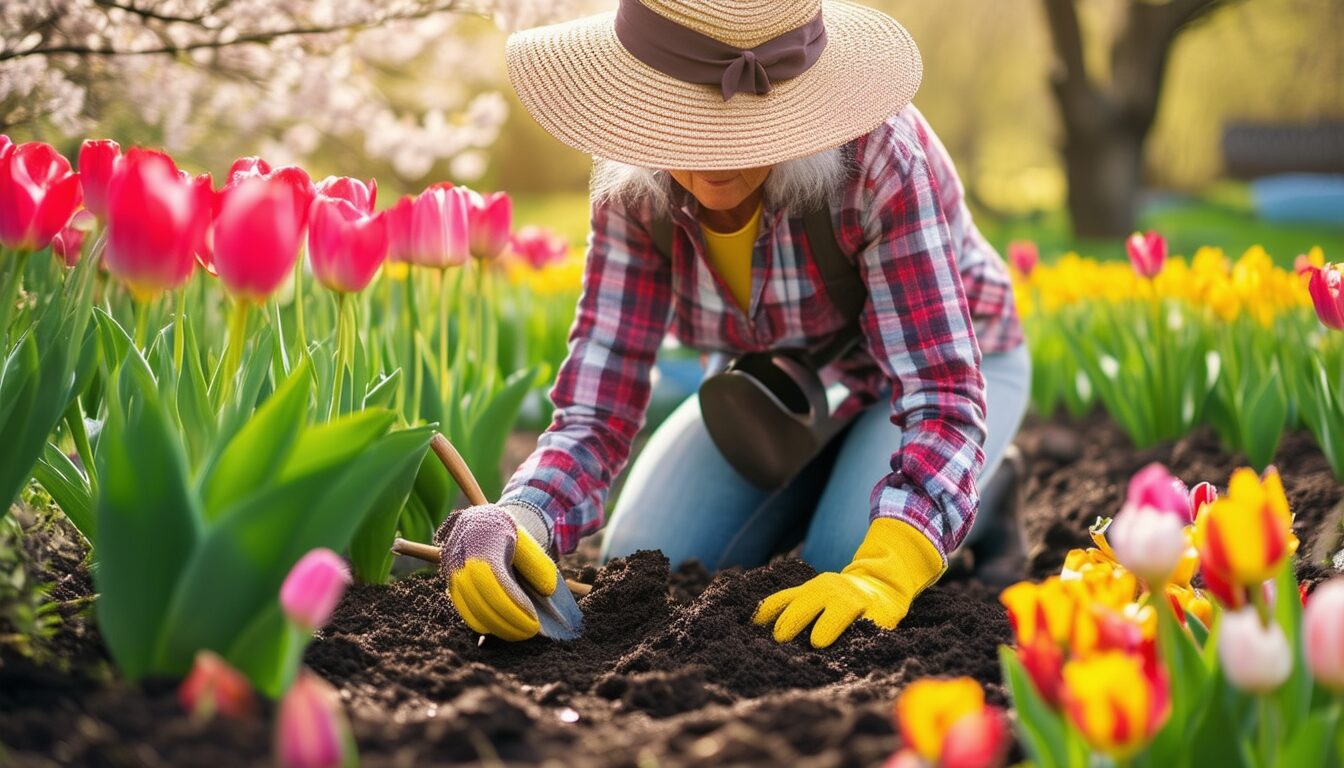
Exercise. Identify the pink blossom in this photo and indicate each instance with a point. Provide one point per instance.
(313, 588)
(1147, 253)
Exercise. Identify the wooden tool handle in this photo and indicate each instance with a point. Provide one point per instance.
(431, 554)
(457, 467)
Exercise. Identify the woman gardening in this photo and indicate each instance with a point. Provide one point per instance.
(742, 149)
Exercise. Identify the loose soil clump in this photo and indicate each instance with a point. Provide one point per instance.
(670, 670)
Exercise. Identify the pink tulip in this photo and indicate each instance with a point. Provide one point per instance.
(214, 686)
(489, 218)
(245, 168)
(98, 159)
(1254, 657)
(155, 221)
(310, 729)
(1327, 295)
(1024, 256)
(345, 244)
(906, 758)
(38, 195)
(439, 227)
(1323, 630)
(313, 588)
(1147, 253)
(1201, 494)
(1148, 535)
(538, 247)
(256, 236)
(978, 740)
(6, 146)
(357, 193)
(69, 242)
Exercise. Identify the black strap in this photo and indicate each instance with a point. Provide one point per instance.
(838, 273)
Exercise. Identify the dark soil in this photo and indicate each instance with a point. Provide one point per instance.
(669, 671)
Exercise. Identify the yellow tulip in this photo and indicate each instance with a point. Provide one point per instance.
(1114, 702)
(1245, 536)
(927, 709)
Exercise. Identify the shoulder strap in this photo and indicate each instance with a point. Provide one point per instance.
(842, 280)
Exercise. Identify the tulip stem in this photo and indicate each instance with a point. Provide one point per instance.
(9, 294)
(413, 335)
(486, 379)
(302, 336)
(233, 353)
(443, 334)
(179, 330)
(141, 323)
(1266, 730)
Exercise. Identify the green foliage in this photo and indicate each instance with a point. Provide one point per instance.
(28, 616)
(190, 561)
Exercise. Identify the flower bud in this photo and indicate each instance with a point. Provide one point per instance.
(1147, 253)
(1255, 658)
(1245, 537)
(978, 740)
(1148, 542)
(1116, 701)
(490, 219)
(1323, 623)
(313, 588)
(1024, 256)
(310, 730)
(214, 686)
(927, 709)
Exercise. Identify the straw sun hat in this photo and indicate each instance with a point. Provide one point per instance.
(715, 84)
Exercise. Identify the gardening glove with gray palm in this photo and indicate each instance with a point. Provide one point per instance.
(484, 552)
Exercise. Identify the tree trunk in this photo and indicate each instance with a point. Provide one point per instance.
(1104, 167)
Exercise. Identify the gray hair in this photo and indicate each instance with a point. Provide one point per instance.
(799, 185)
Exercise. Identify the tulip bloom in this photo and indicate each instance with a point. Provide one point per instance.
(1148, 536)
(1326, 294)
(399, 219)
(1116, 701)
(155, 223)
(1024, 256)
(1255, 658)
(256, 236)
(489, 219)
(214, 686)
(310, 729)
(38, 195)
(345, 244)
(1246, 536)
(1201, 494)
(313, 588)
(69, 242)
(294, 178)
(1147, 253)
(98, 160)
(362, 196)
(946, 722)
(438, 227)
(1323, 633)
(538, 247)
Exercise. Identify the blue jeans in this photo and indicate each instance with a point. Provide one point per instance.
(683, 498)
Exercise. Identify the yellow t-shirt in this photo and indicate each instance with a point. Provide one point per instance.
(730, 255)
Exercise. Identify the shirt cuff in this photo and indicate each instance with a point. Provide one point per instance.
(535, 522)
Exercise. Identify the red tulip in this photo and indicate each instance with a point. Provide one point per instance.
(1201, 494)
(295, 179)
(1024, 256)
(357, 193)
(5, 146)
(256, 236)
(1327, 295)
(345, 244)
(38, 195)
(978, 740)
(439, 227)
(69, 242)
(310, 729)
(489, 218)
(1147, 253)
(214, 686)
(538, 247)
(98, 159)
(155, 221)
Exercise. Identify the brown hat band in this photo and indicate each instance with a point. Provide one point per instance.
(690, 56)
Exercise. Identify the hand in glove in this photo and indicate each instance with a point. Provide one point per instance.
(894, 564)
(484, 553)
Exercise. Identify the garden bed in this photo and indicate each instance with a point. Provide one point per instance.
(669, 672)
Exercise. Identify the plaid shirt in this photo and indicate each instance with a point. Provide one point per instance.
(935, 287)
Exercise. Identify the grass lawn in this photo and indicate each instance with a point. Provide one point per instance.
(1220, 217)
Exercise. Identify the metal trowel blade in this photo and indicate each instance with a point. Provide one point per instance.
(559, 614)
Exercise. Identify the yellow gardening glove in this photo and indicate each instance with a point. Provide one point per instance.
(483, 554)
(894, 563)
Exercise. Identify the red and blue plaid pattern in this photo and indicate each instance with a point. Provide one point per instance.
(935, 287)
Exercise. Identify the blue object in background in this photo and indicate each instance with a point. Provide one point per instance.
(1300, 198)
